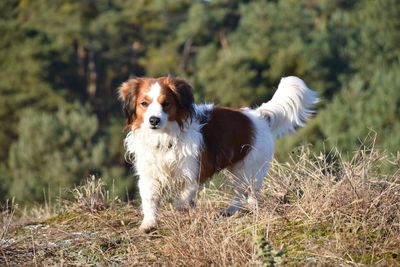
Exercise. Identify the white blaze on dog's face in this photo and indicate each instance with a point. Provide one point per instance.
(152, 103)
(155, 107)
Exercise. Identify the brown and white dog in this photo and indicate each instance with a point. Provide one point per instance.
(170, 137)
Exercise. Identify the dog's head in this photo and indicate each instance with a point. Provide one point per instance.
(153, 102)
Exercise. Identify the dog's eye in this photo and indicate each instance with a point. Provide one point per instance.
(166, 104)
(144, 104)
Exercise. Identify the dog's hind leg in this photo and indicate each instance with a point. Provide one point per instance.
(246, 178)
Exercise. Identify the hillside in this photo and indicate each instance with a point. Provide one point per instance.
(311, 212)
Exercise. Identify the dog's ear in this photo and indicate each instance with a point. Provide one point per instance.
(127, 95)
(184, 93)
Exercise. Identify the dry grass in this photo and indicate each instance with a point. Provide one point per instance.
(91, 196)
(312, 211)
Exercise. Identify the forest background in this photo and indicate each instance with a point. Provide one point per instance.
(62, 61)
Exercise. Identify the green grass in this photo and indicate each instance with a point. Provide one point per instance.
(310, 212)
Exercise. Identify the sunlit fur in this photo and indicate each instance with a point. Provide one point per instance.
(191, 142)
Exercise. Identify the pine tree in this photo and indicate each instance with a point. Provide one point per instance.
(54, 152)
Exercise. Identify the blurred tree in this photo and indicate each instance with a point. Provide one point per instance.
(241, 62)
(54, 151)
(350, 121)
(90, 45)
(369, 95)
(116, 171)
(45, 65)
(234, 52)
(370, 98)
(22, 81)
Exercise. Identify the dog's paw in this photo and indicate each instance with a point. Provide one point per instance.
(225, 213)
(184, 205)
(147, 227)
(230, 211)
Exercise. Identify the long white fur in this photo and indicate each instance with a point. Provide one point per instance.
(290, 106)
(174, 153)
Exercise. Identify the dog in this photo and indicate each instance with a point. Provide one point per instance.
(170, 137)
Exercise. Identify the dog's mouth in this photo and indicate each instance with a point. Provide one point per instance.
(157, 127)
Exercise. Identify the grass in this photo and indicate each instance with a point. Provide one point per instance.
(312, 211)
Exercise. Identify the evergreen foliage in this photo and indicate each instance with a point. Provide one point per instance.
(59, 56)
(54, 151)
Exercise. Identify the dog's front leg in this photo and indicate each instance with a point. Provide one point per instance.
(150, 195)
(186, 198)
(190, 174)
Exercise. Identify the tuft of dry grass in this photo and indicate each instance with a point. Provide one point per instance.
(6, 218)
(314, 210)
(92, 196)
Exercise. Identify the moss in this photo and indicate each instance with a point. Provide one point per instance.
(66, 217)
(367, 255)
(298, 239)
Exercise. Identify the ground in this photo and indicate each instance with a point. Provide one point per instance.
(310, 212)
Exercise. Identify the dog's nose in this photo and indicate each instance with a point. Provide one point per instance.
(154, 121)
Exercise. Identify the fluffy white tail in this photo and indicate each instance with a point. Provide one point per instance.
(290, 106)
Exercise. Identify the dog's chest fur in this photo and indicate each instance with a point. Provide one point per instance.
(168, 154)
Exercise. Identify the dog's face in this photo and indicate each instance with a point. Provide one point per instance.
(152, 103)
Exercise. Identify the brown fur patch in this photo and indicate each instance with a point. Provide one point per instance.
(127, 95)
(227, 138)
(183, 94)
